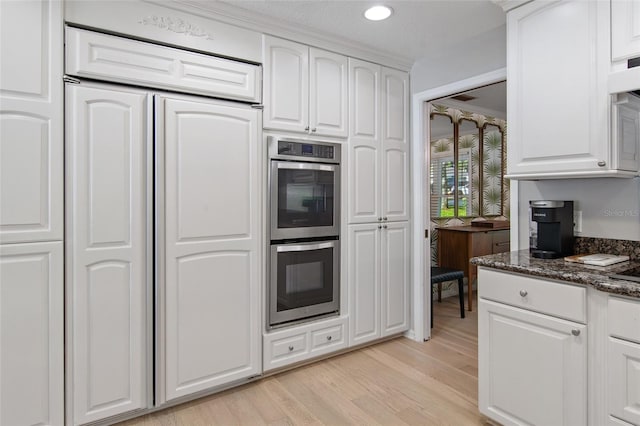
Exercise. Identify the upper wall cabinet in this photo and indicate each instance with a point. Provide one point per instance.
(31, 162)
(625, 29)
(106, 57)
(558, 103)
(305, 89)
(378, 177)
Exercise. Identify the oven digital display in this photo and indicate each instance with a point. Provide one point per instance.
(307, 149)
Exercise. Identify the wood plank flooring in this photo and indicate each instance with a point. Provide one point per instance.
(398, 382)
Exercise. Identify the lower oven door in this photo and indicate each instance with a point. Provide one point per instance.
(305, 281)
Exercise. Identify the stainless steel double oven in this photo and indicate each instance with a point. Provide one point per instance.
(304, 217)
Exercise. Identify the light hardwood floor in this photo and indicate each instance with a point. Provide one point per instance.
(398, 382)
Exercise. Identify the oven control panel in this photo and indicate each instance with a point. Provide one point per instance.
(307, 150)
(282, 148)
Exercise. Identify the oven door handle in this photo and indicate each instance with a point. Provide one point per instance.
(305, 247)
(305, 166)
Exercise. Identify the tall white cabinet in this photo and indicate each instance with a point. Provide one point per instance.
(305, 88)
(378, 202)
(109, 253)
(211, 283)
(31, 214)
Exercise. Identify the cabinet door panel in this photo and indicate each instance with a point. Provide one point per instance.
(364, 142)
(31, 334)
(625, 29)
(327, 93)
(364, 279)
(286, 85)
(212, 285)
(569, 131)
(395, 145)
(524, 357)
(395, 184)
(395, 258)
(624, 380)
(109, 182)
(364, 194)
(31, 122)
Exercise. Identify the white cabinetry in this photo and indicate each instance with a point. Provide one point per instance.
(31, 163)
(109, 250)
(558, 103)
(211, 244)
(31, 214)
(378, 277)
(625, 29)
(532, 364)
(378, 179)
(31, 334)
(623, 365)
(305, 89)
(299, 343)
(105, 57)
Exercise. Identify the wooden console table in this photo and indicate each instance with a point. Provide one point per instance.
(458, 244)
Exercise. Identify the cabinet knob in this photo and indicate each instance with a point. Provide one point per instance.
(290, 348)
(384, 218)
(602, 163)
(313, 130)
(379, 226)
(328, 337)
(306, 128)
(379, 219)
(384, 226)
(523, 293)
(575, 332)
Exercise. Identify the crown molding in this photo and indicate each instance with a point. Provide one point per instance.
(507, 5)
(243, 18)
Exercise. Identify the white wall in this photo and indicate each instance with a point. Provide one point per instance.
(610, 207)
(480, 55)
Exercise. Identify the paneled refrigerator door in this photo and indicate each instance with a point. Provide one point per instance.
(108, 250)
(209, 242)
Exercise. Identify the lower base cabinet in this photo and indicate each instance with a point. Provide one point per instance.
(532, 365)
(31, 334)
(378, 271)
(623, 361)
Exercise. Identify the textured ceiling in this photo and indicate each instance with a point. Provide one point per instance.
(415, 30)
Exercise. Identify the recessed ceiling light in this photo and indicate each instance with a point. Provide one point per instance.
(378, 13)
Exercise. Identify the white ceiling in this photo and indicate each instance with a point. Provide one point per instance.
(416, 29)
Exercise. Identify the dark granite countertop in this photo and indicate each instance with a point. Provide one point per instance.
(559, 269)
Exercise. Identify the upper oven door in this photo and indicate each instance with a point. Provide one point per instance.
(305, 200)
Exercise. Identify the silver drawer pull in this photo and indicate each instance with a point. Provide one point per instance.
(523, 293)
(290, 348)
(602, 163)
(575, 332)
(505, 243)
(328, 337)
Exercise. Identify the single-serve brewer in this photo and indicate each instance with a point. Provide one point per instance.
(551, 229)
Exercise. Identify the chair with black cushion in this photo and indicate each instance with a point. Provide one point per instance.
(440, 275)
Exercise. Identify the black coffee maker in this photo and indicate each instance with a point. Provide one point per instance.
(551, 229)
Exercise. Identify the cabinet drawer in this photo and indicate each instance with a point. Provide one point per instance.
(327, 337)
(624, 318)
(289, 346)
(301, 342)
(548, 297)
(501, 241)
